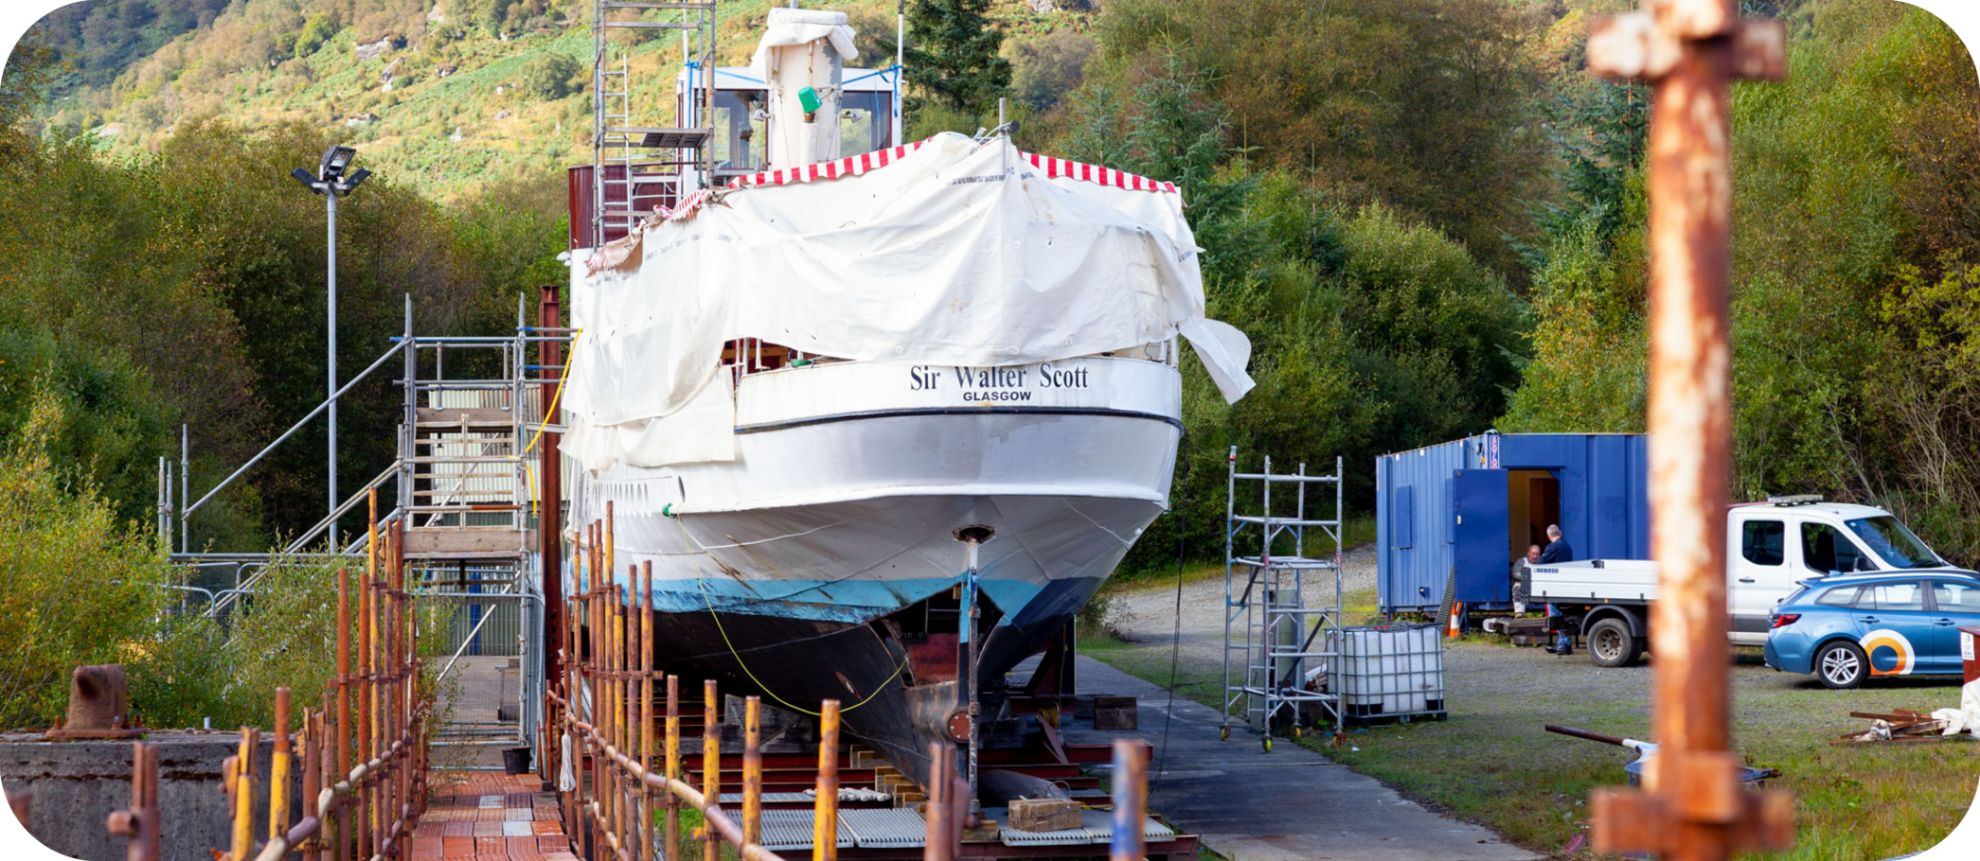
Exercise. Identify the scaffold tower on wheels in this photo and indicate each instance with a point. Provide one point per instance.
(1279, 601)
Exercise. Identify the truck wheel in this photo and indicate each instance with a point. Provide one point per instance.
(1611, 644)
(1841, 665)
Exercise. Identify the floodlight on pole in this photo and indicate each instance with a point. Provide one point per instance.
(331, 182)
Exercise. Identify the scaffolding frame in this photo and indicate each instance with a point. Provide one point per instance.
(627, 157)
(1270, 629)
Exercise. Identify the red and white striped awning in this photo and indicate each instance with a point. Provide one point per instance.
(855, 165)
(848, 166)
(1058, 167)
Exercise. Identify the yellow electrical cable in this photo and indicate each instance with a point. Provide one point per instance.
(766, 688)
(708, 602)
(558, 395)
(535, 494)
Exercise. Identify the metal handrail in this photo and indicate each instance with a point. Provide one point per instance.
(214, 609)
(342, 509)
(389, 353)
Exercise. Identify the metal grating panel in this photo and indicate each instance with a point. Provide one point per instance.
(884, 828)
(1095, 826)
(786, 830)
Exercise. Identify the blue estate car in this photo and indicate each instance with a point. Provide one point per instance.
(1845, 628)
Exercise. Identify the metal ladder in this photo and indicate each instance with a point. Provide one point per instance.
(630, 162)
(1273, 636)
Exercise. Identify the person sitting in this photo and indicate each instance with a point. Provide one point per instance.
(1522, 582)
(1558, 551)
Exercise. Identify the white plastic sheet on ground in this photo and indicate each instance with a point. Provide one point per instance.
(957, 253)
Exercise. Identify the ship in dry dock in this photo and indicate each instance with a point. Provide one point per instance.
(880, 415)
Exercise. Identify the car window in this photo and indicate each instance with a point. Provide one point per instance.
(1841, 596)
(1763, 542)
(1904, 595)
(1824, 549)
(1956, 597)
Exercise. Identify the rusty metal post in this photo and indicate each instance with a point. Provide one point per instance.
(673, 762)
(550, 481)
(752, 776)
(939, 844)
(711, 767)
(312, 778)
(825, 809)
(341, 740)
(1130, 800)
(580, 612)
(646, 708)
(139, 822)
(594, 665)
(278, 769)
(365, 828)
(307, 738)
(1693, 806)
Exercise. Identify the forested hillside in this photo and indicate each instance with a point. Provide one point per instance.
(443, 94)
(1424, 213)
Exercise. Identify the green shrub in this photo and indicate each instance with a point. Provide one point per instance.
(82, 586)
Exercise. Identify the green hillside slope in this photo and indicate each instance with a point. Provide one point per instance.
(444, 94)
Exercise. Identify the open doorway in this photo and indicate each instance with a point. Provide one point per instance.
(1533, 502)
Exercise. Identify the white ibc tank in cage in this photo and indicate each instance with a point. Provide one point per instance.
(1387, 671)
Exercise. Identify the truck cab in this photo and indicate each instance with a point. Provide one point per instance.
(1771, 547)
(1774, 545)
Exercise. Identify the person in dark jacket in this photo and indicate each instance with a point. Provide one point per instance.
(1557, 548)
(1558, 551)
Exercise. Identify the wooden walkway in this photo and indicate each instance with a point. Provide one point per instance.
(484, 816)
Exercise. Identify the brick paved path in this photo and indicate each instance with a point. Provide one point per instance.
(482, 816)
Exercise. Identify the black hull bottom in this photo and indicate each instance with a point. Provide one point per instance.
(797, 663)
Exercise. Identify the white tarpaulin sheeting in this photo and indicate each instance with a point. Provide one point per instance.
(958, 252)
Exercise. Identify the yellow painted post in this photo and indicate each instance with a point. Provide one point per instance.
(244, 794)
(711, 768)
(278, 769)
(752, 788)
(645, 649)
(673, 754)
(825, 810)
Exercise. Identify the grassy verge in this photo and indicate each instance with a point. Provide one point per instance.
(1492, 763)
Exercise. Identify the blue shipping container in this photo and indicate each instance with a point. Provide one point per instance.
(1462, 511)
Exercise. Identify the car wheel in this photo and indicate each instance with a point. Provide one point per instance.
(1611, 644)
(1841, 665)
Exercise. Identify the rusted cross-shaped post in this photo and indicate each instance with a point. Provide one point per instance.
(1692, 806)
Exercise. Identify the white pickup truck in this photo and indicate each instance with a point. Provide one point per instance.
(1770, 546)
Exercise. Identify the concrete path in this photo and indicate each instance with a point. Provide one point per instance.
(482, 816)
(1288, 805)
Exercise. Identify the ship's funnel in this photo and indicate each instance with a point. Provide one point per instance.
(802, 60)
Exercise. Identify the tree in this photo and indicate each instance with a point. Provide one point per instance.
(549, 76)
(952, 47)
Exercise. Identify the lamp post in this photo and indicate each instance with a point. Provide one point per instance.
(332, 181)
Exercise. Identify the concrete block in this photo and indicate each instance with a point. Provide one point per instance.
(75, 785)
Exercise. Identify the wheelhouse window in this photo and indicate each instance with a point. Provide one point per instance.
(741, 139)
(1890, 539)
(866, 122)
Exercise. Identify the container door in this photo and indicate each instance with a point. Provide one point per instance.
(1483, 563)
